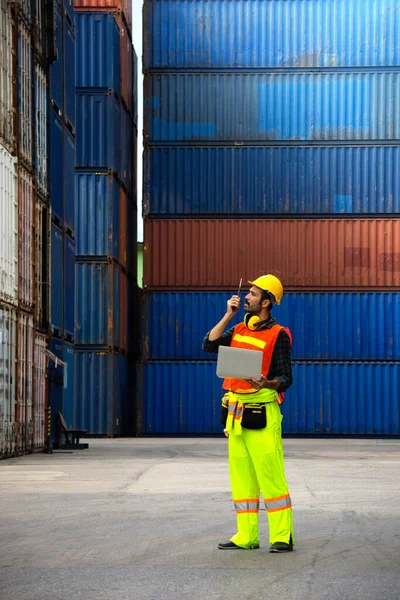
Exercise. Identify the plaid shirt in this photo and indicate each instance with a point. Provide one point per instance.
(281, 363)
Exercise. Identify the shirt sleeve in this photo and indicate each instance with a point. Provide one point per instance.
(281, 363)
(212, 346)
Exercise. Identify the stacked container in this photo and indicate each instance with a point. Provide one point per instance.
(25, 52)
(62, 141)
(105, 201)
(272, 145)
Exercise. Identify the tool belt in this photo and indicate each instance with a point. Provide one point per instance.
(254, 415)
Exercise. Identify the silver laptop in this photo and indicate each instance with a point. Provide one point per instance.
(239, 363)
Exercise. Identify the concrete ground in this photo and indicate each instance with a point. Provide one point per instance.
(141, 519)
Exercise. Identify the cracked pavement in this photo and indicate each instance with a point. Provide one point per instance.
(141, 518)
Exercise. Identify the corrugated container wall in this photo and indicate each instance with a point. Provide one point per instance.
(57, 281)
(26, 251)
(25, 87)
(106, 6)
(277, 33)
(100, 405)
(272, 107)
(98, 51)
(97, 304)
(6, 76)
(322, 254)
(8, 227)
(325, 326)
(24, 416)
(41, 125)
(185, 397)
(276, 180)
(56, 69)
(8, 346)
(42, 266)
(69, 75)
(69, 288)
(39, 392)
(56, 166)
(69, 181)
(127, 75)
(97, 214)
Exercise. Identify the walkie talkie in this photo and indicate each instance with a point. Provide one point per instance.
(238, 293)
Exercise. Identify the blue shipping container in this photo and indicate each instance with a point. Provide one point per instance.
(69, 180)
(98, 405)
(287, 181)
(56, 69)
(127, 149)
(56, 381)
(68, 392)
(69, 74)
(98, 131)
(97, 215)
(276, 33)
(57, 279)
(56, 165)
(69, 10)
(330, 398)
(269, 107)
(98, 56)
(325, 326)
(97, 302)
(69, 287)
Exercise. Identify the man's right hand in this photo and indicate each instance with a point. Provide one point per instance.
(232, 305)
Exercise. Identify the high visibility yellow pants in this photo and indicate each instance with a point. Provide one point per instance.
(256, 463)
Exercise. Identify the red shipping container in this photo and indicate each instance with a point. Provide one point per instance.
(24, 412)
(314, 254)
(26, 247)
(106, 6)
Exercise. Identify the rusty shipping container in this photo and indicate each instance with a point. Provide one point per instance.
(26, 248)
(24, 408)
(314, 254)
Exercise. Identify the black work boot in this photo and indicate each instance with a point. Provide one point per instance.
(233, 546)
(280, 547)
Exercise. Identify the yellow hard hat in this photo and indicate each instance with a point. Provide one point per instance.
(270, 283)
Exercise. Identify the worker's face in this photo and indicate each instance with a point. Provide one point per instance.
(252, 301)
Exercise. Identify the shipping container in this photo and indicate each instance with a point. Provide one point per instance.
(6, 77)
(185, 397)
(69, 11)
(69, 75)
(316, 254)
(68, 397)
(98, 131)
(26, 249)
(274, 34)
(324, 326)
(98, 405)
(98, 57)
(69, 181)
(69, 287)
(291, 180)
(57, 280)
(56, 382)
(24, 408)
(125, 233)
(8, 227)
(8, 348)
(106, 6)
(237, 107)
(25, 86)
(56, 68)
(98, 214)
(97, 304)
(56, 166)
(41, 112)
(126, 67)
(136, 76)
(126, 149)
(42, 266)
(124, 310)
(39, 406)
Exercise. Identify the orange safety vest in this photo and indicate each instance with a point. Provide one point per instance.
(264, 341)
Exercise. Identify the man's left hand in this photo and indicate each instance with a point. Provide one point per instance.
(259, 384)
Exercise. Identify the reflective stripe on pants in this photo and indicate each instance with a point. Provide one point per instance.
(256, 463)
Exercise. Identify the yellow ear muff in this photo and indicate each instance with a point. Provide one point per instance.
(251, 321)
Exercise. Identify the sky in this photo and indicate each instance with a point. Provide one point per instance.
(137, 42)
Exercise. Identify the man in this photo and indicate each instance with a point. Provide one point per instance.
(256, 453)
